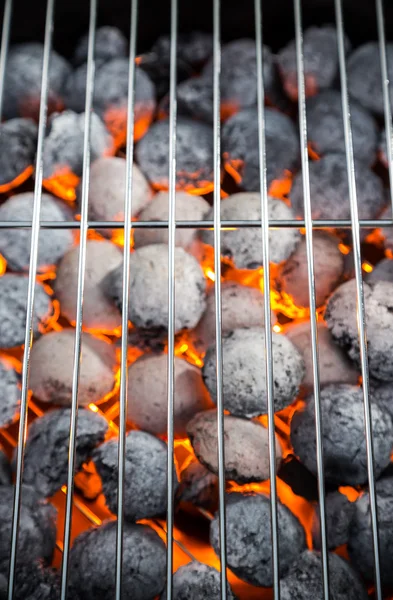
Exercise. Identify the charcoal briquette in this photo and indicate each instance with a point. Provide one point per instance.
(198, 486)
(194, 99)
(9, 394)
(387, 232)
(197, 581)
(18, 139)
(339, 512)
(33, 581)
(248, 536)
(382, 271)
(383, 396)
(383, 150)
(109, 43)
(244, 375)
(93, 563)
(5, 469)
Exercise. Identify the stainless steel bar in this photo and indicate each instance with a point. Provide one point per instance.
(311, 290)
(267, 300)
(35, 230)
(79, 302)
(5, 40)
(361, 315)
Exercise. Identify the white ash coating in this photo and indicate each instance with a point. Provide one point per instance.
(23, 75)
(365, 78)
(9, 394)
(304, 579)
(344, 440)
(325, 127)
(292, 276)
(18, 142)
(246, 446)
(382, 271)
(194, 154)
(13, 300)
(188, 208)
(339, 512)
(248, 531)
(46, 450)
(93, 563)
(148, 305)
(109, 43)
(52, 362)
(52, 243)
(147, 405)
(244, 245)
(329, 190)
(197, 581)
(98, 312)
(145, 483)
(34, 582)
(340, 316)
(244, 373)
(334, 365)
(198, 486)
(5, 469)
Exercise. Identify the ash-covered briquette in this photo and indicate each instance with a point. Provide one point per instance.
(198, 486)
(344, 440)
(194, 155)
(304, 579)
(147, 405)
(246, 446)
(292, 276)
(365, 78)
(341, 319)
(244, 373)
(240, 146)
(22, 83)
(194, 99)
(329, 190)
(320, 61)
(383, 396)
(93, 563)
(325, 127)
(382, 271)
(18, 141)
(5, 469)
(52, 244)
(46, 451)
(52, 364)
(33, 581)
(9, 394)
(148, 304)
(248, 536)
(13, 300)
(383, 150)
(188, 208)
(98, 312)
(145, 484)
(109, 43)
(197, 581)
(243, 245)
(339, 512)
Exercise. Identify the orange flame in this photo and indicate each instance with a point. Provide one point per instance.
(19, 179)
(351, 493)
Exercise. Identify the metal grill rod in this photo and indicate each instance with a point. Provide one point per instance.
(5, 40)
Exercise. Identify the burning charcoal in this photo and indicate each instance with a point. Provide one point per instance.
(383, 396)
(144, 563)
(341, 319)
(292, 276)
(22, 84)
(246, 446)
(387, 232)
(18, 139)
(194, 155)
(339, 512)
(344, 443)
(334, 366)
(383, 150)
(320, 61)
(13, 298)
(304, 579)
(146, 483)
(98, 312)
(15, 243)
(9, 394)
(329, 190)
(383, 271)
(240, 147)
(197, 581)
(249, 545)
(244, 373)
(198, 486)
(326, 128)
(148, 394)
(188, 208)
(364, 75)
(63, 150)
(149, 288)
(46, 451)
(5, 469)
(244, 246)
(194, 99)
(56, 350)
(109, 43)
(34, 582)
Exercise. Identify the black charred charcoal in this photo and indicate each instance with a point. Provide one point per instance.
(46, 451)
(13, 299)
(344, 442)
(339, 512)
(249, 545)
(109, 43)
(22, 84)
(198, 486)
(325, 127)
(33, 581)
(194, 155)
(93, 563)
(18, 140)
(382, 271)
(194, 99)
(5, 469)
(244, 386)
(383, 396)
(197, 581)
(9, 394)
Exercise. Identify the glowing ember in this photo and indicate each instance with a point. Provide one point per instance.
(63, 184)
(351, 493)
(21, 178)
